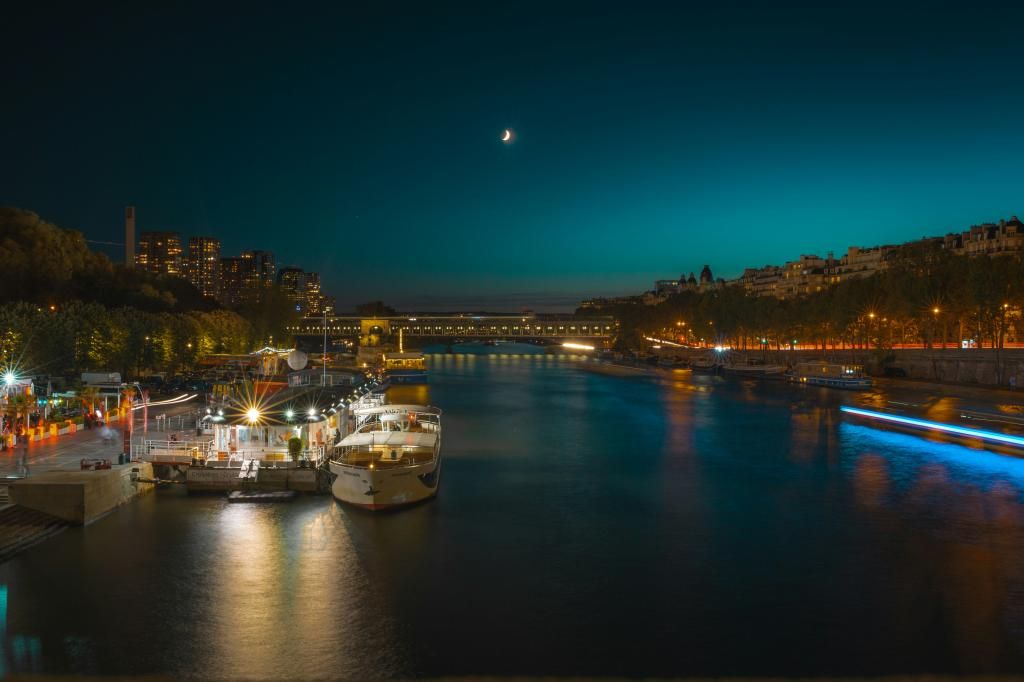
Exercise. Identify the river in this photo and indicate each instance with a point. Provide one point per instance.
(586, 525)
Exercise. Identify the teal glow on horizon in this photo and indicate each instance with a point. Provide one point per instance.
(645, 142)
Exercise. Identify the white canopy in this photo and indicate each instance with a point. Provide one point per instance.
(395, 409)
(391, 439)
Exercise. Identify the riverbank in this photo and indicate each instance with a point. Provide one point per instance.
(80, 497)
(979, 367)
(993, 394)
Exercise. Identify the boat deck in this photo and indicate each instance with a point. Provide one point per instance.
(386, 457)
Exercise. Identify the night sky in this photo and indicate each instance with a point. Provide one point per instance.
(650, 140)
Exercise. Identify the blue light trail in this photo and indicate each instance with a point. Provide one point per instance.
(989, 436)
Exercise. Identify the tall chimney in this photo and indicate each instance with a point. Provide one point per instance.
(129, 236)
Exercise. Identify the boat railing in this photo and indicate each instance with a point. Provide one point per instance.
(315, 455)
(361, 456)
(414, 427)
(173, 451)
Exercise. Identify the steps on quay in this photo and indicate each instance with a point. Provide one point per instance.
(21, 527)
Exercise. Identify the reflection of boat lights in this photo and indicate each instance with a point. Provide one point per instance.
(980, 434)
(577, 346)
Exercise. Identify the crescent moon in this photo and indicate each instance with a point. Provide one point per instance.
(507, 135)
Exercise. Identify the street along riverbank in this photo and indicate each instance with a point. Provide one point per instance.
(980, 367)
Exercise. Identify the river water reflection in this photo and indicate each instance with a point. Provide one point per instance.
(587, 524)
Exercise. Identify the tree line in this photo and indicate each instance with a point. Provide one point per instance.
(925, 295)
(65, 309)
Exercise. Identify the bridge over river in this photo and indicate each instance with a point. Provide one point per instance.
(594, 330)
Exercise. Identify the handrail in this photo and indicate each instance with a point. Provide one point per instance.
(204, 445)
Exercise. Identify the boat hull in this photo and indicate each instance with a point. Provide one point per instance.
(860, 384)
(706, 369)
(385, 488)
(773, 373)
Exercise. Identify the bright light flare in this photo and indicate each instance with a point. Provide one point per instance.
(9, 378)
(577, 346)
(664, 342)
(980, 434)
(253, 415)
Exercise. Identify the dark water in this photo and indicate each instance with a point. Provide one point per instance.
(586, 524)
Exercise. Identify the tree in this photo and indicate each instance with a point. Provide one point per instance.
(88, 396)
(269, 316)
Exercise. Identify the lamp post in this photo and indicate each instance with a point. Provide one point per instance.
(9, 380)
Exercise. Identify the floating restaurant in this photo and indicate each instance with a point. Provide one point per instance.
(278, 441)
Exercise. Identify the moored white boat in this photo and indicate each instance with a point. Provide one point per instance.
(753, 367)
(405, 368)
(705, 363)
(831, 374)
(391, 459)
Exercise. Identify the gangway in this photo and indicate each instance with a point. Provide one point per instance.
(250, 469)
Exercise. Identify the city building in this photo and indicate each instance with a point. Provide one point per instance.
(991, 239)
(706, 278)
(233, 279)
(243, 278)
(261, 272)
(313, 296)
(159, 253)
(203, 262)
(803, 276)
(292, 281)
(810, 274)
(303, 289)
(668, 287)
